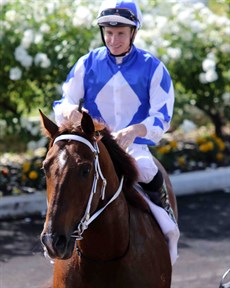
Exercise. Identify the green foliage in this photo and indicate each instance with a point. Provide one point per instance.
(22, 173)
(208, 151)
(193, 42)
(40, 41)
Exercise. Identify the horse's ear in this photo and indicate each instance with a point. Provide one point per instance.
(87, 124)
(48, 126)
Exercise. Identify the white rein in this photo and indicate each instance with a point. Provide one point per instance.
(87, 218)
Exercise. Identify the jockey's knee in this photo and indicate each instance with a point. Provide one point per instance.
(155, 183)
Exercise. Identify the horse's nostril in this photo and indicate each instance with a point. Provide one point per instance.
(57, 246)
(60, 242)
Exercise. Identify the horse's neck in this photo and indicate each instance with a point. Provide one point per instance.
(108, 236)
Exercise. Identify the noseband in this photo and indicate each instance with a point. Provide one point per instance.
(87, 218)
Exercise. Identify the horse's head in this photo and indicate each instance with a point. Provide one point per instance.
(72, 169)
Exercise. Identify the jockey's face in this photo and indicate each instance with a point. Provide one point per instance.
(117, 39)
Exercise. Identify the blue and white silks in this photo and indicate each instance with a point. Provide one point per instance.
(138, 90)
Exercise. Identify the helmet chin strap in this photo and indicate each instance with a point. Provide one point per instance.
(131, 41)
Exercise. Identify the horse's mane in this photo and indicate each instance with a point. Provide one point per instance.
(123, 163)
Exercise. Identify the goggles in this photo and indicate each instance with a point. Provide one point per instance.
(119, 12)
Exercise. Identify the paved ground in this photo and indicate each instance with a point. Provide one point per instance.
(204, 246)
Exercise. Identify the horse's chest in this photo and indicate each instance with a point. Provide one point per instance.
(111, 275)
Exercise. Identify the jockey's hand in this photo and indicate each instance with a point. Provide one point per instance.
(126, 136)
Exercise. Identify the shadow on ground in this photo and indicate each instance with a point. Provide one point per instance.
(201, 216)
(20, 237)
(205, 216)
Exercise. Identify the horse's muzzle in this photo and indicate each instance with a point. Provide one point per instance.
(57, 246)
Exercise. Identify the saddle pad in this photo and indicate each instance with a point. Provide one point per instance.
(168, 226)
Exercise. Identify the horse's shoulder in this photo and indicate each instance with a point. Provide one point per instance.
(135, 199)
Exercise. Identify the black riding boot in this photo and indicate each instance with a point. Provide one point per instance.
(158, 194)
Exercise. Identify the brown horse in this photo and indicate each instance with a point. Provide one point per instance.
(98, 229)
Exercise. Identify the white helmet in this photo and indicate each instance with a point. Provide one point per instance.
(120, 13)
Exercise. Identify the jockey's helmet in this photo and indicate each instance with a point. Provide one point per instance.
(118, 13)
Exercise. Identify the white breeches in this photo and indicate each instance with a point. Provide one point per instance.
(145, 164)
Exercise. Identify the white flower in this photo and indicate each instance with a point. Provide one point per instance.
(42, 60)
(42, 143)
(11, 15)
(187, 126)
(27, 61)
(215, 37)
(15, 73)
(186, 35)
(161, 22)
(208, 77)
(148, 18)
(226, 30)
(175, 29)
(22, 56)
(3, 2)
(41, 150)
(32, 145)
(211, 55)
(225, 48)
(35, 131)
(19, 53)
(28, 38)
(38, 38)
(176, 8)
(57, 48)
(51, 5)
(196, 26)
(82, 16)
(202, 78)
(223, 22)
(166, 43)
(226, 98)
(211, 19)
(165, 58)
(45, 28)
(185, 17)
(208, 64)
(211, 76)
(23, 122)
(199, 6)
(174, 53)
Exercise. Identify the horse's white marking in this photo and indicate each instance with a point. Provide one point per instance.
(62, 159)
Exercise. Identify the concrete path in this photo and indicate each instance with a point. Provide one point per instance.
(204, 246)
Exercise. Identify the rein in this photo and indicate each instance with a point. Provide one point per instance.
(87, 218)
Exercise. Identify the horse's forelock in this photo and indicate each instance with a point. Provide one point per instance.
(71, 127)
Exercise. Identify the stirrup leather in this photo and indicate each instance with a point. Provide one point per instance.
(165, 202)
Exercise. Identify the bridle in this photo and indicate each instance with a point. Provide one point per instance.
(87, 218)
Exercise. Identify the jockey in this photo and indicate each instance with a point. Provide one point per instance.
(127, 88)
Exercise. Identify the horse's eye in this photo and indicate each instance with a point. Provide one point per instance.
(85, 169)
(45, 167)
